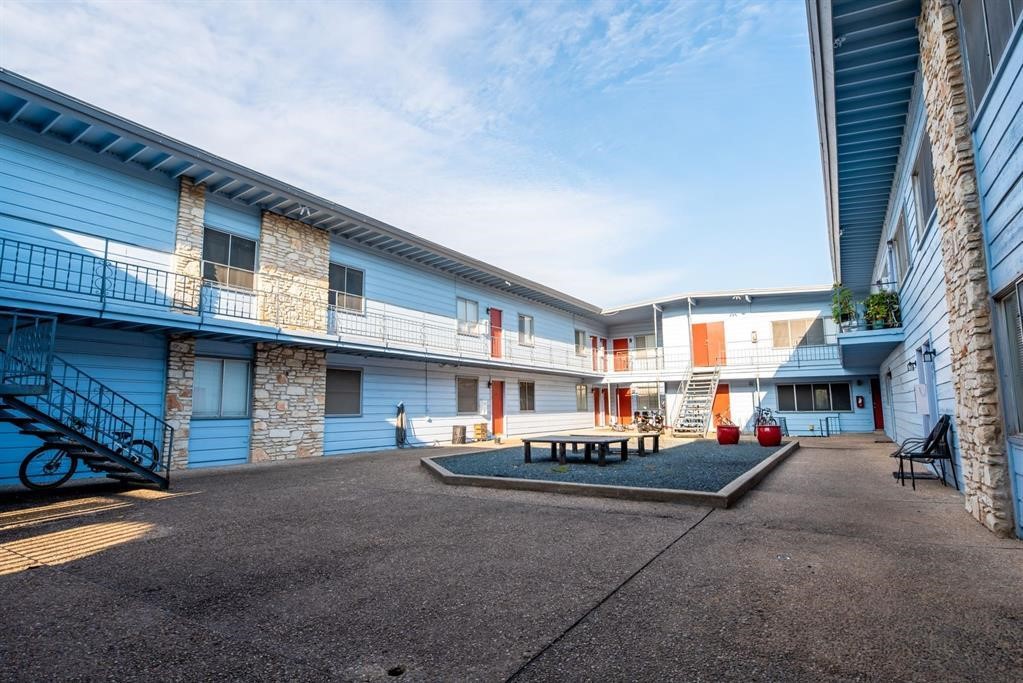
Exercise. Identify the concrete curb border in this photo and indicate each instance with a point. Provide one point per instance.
(724, 498)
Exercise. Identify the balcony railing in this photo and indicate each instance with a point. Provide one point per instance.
(286, 304)
(735, 355)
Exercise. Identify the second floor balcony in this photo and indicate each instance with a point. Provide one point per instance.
(86, 284)
(737, 358)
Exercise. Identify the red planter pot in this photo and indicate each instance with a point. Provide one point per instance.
(769, 435)
(728, 435)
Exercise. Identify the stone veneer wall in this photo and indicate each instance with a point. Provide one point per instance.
(978, 417)
(288, 401)
(294, 264)
(188, 241)
(178, 401)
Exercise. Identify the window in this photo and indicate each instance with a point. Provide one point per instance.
(468, 316)
(986, 27)
(221, 388)
(526, 330)
(344, 392)
(580, 342)
(347, 288)
(1012, 307)
(923, 186)
(228, 259)
(806, 398)
(648, 396)
(582, 395)
(527, 397)
(468, 394)
(804, 332)
(900, 249)
(645, 347)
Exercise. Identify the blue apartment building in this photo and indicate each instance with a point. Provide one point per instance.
(151, 292)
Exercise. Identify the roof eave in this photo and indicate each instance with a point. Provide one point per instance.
(822, 59)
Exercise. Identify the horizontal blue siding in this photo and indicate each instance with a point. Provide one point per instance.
(999, 140)
(214, 443)
(1016, 468)
(59, 188)
(131, 363)
(429, 398)
(233, 218)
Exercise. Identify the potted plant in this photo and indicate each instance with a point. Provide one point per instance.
(843, 309)
(881, 309)
(728, 431)
(769, 435)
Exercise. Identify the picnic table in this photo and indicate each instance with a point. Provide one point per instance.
(559, 445)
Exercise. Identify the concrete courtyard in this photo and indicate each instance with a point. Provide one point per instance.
(366, 568)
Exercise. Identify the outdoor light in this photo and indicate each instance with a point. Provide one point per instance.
(929, 355)
(911, 365)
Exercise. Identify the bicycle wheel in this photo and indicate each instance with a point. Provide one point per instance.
(141, 452)
(47, 467)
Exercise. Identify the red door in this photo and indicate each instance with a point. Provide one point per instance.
(620, 348)
(875, 398)
(497, 401)
(722, 404)
(624, 397)
(593, 343)
(495, 334)
(596, 406)
(708, 344)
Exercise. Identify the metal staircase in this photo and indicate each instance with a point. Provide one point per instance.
(43, 396)
(694, 410)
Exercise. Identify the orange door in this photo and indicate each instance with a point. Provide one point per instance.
(596, 407)
(722, 404)
(624, 405)
(497, 401)
(708, 344)
(620, 348)
(495, 334)
(593, 343)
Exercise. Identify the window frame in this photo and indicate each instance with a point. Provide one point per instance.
(811, 322)
(582, 392)
(1013, 349)
(476, 395)
(923, 220)
(467, 327)
(985, 57)
(326, 412)
(581, 349)
(532, 330)
(530, 393)
(813, 387)
(223, 361)
(336, 293)
(900, 246)
(231, 237)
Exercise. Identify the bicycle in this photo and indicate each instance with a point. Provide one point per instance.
(763, 416)
(50, 465)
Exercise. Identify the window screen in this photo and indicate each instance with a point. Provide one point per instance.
(220, 388)
(527, 396)
(582, 396)
(344, 392)
(467, 389)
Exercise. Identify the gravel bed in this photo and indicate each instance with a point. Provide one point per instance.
(697, 466)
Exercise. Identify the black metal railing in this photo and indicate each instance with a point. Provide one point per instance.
(104, 416)
(96, 277)
(28, 361)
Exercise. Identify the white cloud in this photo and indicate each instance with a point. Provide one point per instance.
(404, 114)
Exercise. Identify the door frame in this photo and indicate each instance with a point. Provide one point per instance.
(497, 393)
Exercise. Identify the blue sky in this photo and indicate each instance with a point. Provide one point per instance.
(616, 151)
